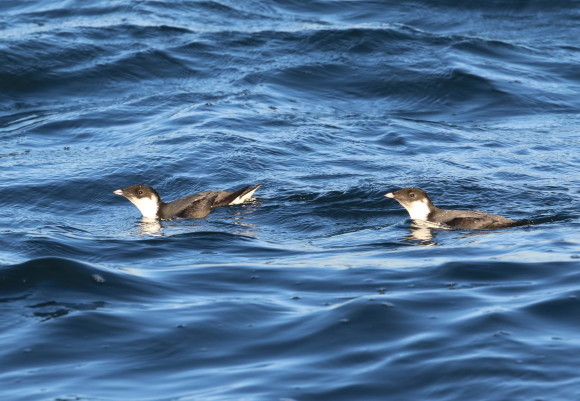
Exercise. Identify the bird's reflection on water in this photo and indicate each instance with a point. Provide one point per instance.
(422, 233)
(150, 227)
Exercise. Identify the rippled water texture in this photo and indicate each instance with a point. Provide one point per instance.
(321, 289)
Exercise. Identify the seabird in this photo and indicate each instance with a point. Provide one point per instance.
(195, 206)
(420, 208)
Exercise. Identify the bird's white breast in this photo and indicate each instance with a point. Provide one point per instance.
(418, 210)
(147, 206)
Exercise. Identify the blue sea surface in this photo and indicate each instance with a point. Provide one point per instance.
(322, 288)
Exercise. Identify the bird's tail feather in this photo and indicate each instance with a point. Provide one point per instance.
(239, 196)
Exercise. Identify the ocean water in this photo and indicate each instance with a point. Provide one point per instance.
(321, 289)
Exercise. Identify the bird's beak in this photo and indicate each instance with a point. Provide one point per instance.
(390, 195)
(119, 192)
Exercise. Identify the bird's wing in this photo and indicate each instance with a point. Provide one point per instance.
(480, 220)
(177, 207)
(200, 205)
(468, 223)
(471, 219)
(199, 208)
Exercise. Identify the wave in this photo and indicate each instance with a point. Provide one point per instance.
(69, 279)
(334, 64)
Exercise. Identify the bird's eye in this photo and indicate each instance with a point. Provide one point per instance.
(140, 192)
(411, 195)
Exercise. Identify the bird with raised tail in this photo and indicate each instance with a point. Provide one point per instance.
(195, 206)
(420, 208)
